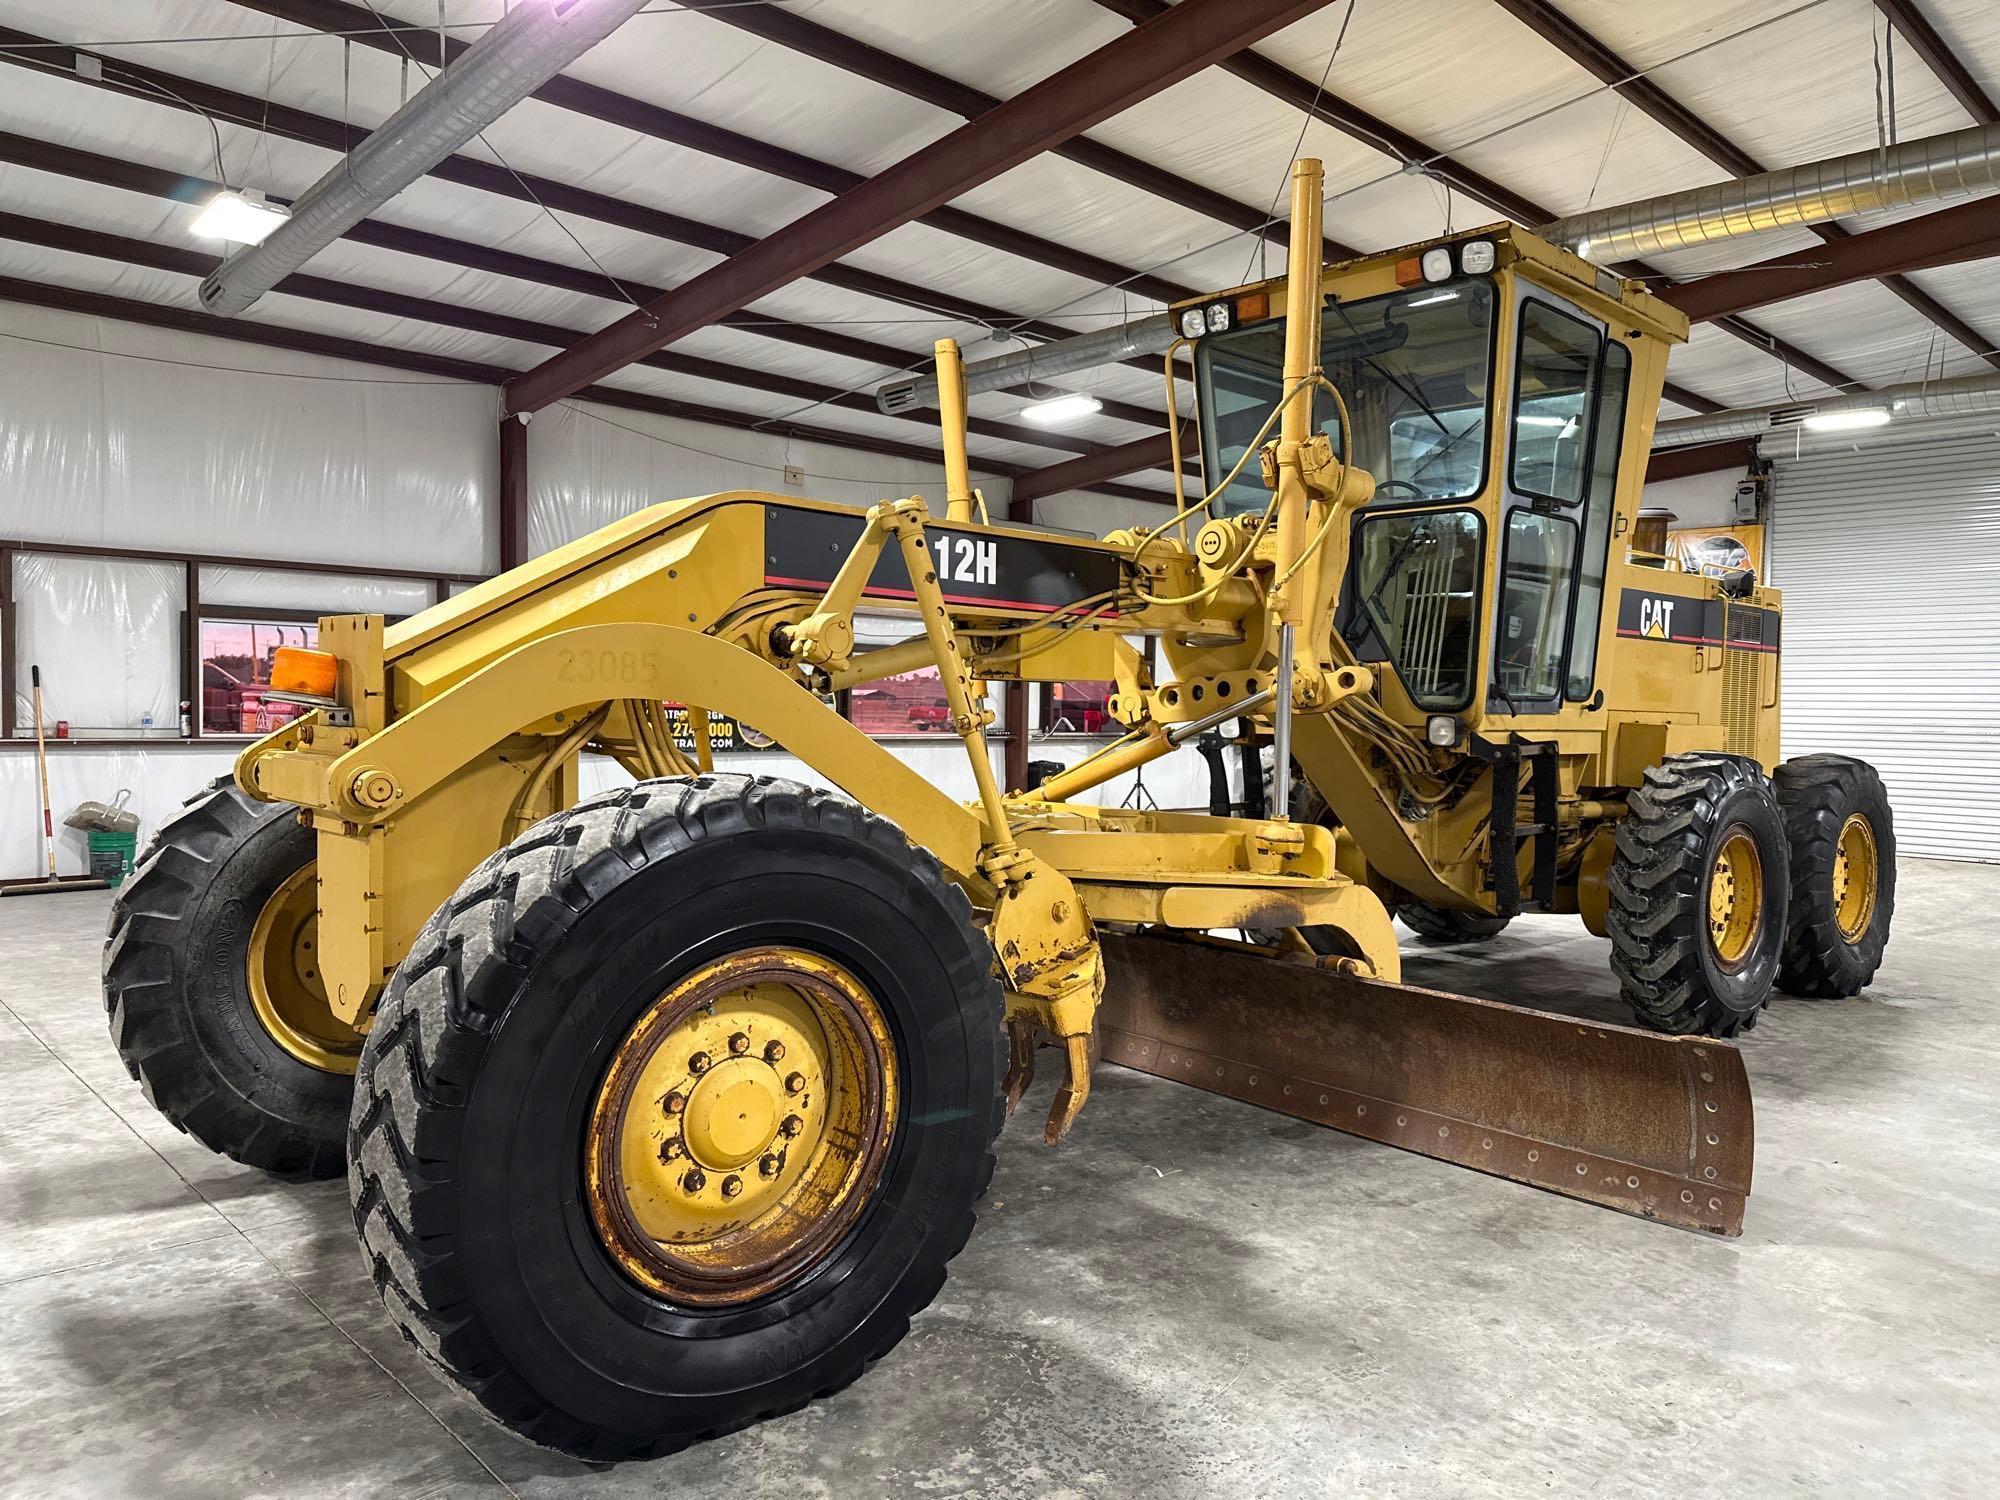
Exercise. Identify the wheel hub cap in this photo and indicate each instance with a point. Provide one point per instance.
(741, 1126)
(1735, 898)
(282, 966)
(1854, 878)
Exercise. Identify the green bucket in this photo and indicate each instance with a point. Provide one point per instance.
(112, 854)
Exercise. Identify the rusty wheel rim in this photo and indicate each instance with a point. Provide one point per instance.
(286, 991)
(741, 1127)
(1855, 877)
(1735, 898)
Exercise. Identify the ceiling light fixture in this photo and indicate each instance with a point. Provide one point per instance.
(1849, 419)
(241, 218)
(1431, 299)
(1061, 411)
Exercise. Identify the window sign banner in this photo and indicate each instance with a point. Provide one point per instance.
(1713, 551)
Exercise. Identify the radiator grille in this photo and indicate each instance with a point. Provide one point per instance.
(1741, 671)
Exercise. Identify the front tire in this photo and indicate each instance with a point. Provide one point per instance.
(1699, 883)
(211, 987)
(1447, 928)
(611, 1295)
(1843, 846)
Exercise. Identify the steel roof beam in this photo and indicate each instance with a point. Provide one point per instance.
(174, 91)
(1649, 98)
(1092, 89)
(789, 28)
(1915, 28)
(88, 166)
(612, 108)
(1967, 232)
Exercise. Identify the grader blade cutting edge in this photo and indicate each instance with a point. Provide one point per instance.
(1658, 1126)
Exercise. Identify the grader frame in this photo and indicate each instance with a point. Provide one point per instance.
(448, 734)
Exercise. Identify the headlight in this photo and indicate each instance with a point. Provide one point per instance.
(1477, 257)
(1191, 323)
(1218, 317)
(1437, 264)
(1441, 730)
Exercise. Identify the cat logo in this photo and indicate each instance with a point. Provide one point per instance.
(1656, 617)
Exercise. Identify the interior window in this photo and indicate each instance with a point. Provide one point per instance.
(1417, 573)
(1534, 606)
(1608, 425)
(1552, 393)
(1412, 367)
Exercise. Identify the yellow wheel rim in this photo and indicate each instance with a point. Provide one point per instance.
(741, 1126)
(1856, 874)
(1735, 898)
(285, 987)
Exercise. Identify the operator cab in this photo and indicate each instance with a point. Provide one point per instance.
(1487, 381)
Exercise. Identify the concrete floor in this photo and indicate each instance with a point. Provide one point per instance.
(1193, 1298)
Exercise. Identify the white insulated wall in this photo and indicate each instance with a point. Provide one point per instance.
(117, 435)
(1890, 566)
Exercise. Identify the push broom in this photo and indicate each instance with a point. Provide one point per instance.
(54, 883)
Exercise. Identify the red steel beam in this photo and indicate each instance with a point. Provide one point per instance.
(1704, 458)
(513, 494)
(809, 38)
(1113, 78)
(1915, 28)
(1092, 469)
(789, 28)
(422, 45)
(1970, 231)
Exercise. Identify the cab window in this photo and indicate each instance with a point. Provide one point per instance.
(1555, 378)
(1416, 575)
(1413, 367)
(1533, 622)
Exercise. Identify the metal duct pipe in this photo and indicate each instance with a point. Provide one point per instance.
(1930, 170)
(1107, 346)
(533, 43)
(1964, 395)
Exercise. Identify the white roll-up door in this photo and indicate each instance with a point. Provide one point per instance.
(1890, 562)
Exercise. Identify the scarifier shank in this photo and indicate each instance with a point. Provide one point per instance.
(1652, 1125)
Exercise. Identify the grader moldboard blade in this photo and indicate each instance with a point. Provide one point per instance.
(1657, 1126)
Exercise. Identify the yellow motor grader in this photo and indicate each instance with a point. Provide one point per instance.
(664, 1109)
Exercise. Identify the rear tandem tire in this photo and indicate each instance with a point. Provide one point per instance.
(1843, 846)
(478, 1159)
(1692, 957)
(177, 988)
(1444, 927)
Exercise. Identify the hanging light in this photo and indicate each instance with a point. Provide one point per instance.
(241, 218)
(1061, 411)
(1848, 419)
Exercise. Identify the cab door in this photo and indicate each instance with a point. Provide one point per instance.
(1565, 418)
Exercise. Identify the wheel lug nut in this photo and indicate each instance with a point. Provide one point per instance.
(731, 1186)
(698, 1064)
(792, 1126)
(774, 1052)
(672, 1151)
(739, 1044)
(795, 1083)
(768, 1165)
(695, 1180)
(675, 1103)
